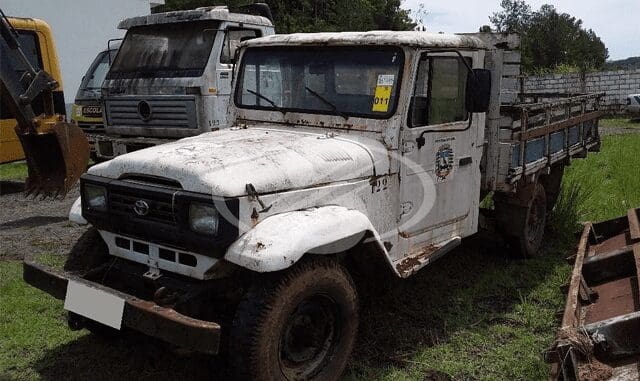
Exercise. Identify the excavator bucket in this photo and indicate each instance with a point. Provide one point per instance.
(56, 158)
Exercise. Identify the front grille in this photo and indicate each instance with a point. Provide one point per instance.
(91, 127)
(167, 222)
(176, 112)
(161, 207)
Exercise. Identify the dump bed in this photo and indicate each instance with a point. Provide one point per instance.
(526, 133)
(600, 334)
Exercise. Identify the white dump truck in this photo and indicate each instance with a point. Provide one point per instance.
(172, 77)
(347, 151)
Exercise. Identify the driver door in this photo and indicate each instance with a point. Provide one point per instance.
(442, 148)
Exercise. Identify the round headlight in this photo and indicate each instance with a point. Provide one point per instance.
(96, 197)
(203, 219)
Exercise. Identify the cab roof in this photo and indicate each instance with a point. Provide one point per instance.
(389, 38)
(205, 13)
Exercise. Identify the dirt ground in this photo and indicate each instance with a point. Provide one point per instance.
(31, 226)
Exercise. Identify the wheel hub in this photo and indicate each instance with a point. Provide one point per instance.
(308, 337)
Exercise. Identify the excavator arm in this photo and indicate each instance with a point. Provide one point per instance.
(56, 152)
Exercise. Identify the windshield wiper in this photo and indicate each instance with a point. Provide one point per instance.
(328, 103)
(272, 103)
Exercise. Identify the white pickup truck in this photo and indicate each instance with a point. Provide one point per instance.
(346, 150)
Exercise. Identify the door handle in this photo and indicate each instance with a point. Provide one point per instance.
(465, 161)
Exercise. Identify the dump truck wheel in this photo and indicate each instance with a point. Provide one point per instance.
(89, 252)
(298, 325)
(523, 222)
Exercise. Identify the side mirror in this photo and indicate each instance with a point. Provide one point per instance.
(478, 90)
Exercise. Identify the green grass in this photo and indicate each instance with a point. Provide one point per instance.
(472, 315)
(31, 324)
(619, 122)
(475, 314)
(13, 171)
(612, 177)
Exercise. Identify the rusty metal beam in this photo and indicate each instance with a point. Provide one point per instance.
(557, 126)
(140, 315)
(570, 319)
(634, 224)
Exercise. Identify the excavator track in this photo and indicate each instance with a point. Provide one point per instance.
(599, 338)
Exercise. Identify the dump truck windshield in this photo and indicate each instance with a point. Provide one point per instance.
(165, 50)
(345, 81)
(92, 81)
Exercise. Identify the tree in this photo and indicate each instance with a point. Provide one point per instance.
(550, 39)
(514, 18)
(319, 15)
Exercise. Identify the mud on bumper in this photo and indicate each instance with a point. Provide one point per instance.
(140, 315)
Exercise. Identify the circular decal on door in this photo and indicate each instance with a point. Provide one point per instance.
(444, 162)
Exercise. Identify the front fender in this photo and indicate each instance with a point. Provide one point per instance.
(281, 240)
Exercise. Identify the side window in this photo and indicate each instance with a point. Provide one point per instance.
(232, 39)
(30, 46)
(439, 93)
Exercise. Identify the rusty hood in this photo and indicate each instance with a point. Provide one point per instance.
(222, 163)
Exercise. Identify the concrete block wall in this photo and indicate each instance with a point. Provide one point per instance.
(615, 84)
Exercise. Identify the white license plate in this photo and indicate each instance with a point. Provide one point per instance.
(94, 304)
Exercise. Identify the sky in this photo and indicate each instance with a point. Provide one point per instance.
(616, 22)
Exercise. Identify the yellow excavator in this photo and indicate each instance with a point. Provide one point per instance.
(56, 152)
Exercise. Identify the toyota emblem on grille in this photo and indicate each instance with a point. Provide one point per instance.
(144, 110)
(141, 208)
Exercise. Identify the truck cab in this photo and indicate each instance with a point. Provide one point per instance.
(172, 76)
(86, 111)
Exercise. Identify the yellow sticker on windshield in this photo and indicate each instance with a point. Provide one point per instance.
(382, 97)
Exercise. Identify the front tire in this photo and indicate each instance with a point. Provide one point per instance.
(297, 325)
(89, 252)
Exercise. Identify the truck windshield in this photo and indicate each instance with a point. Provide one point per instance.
(346, 81)
(92, 81)
(165, 50)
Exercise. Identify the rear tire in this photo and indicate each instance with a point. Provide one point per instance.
(523, 222)
(296, 325)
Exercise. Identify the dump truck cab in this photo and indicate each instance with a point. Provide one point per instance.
(86, 111)
(172, 76)
(36, 38)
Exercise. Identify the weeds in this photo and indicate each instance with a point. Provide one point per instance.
(570, 208)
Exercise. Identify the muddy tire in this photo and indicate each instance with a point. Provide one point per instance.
(89, 251)
(298, 325)
(522, 221)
